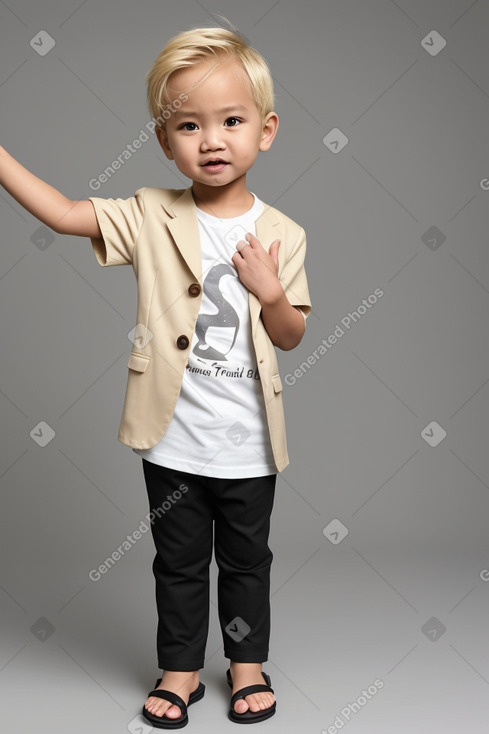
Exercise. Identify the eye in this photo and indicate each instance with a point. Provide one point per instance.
(185, 124)
(234, 121)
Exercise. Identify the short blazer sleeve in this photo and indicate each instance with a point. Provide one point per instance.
(293, 276)
(120, 221)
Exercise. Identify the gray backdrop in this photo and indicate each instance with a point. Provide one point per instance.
(379, 530)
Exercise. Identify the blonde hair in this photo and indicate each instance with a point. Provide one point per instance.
(200, 44)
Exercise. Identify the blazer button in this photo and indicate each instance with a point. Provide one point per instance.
(182, 342)
(194, 289)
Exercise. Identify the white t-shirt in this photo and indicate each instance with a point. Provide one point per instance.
(219, 425)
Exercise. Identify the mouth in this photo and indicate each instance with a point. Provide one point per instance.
(214, 163)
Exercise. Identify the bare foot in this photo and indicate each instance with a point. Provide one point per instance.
(181, 683)
(247, 674)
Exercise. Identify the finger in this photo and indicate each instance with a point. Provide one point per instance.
(273, 251)
(244, 249)
(252, 239)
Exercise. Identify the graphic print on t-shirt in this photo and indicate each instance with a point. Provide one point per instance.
(216, 332)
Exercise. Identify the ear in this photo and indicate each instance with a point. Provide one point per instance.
(163, 141)
(269, 130)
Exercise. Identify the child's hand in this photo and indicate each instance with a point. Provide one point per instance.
(258, 269)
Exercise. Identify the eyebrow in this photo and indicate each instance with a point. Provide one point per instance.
(229, 108)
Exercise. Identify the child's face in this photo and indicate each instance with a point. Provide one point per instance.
(219, 120)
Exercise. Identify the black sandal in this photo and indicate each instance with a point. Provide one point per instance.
(251, 717)
(163, 722)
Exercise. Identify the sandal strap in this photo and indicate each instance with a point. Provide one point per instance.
(243, 692)
(265, 676)
(170, 696)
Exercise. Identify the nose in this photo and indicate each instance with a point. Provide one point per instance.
(212, 138)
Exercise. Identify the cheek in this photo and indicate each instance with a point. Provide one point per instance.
(181, 151)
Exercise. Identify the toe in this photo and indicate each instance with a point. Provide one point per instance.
(173, 712)
(260, 702)
(154, 703)
(254, 703)
(241, 706)
(160, 707)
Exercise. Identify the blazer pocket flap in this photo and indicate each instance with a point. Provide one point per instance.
(138, 362)
(277, 383)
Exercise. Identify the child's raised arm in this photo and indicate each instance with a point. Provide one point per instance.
(46, 203)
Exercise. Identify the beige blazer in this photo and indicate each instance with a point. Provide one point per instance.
(156, 231)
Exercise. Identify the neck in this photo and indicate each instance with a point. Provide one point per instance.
(223, 201)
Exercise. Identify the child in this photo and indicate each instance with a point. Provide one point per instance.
(221, 282)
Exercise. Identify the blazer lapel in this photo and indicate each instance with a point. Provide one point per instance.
(184, 227)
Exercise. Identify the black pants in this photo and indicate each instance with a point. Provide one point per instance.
(187, 511)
